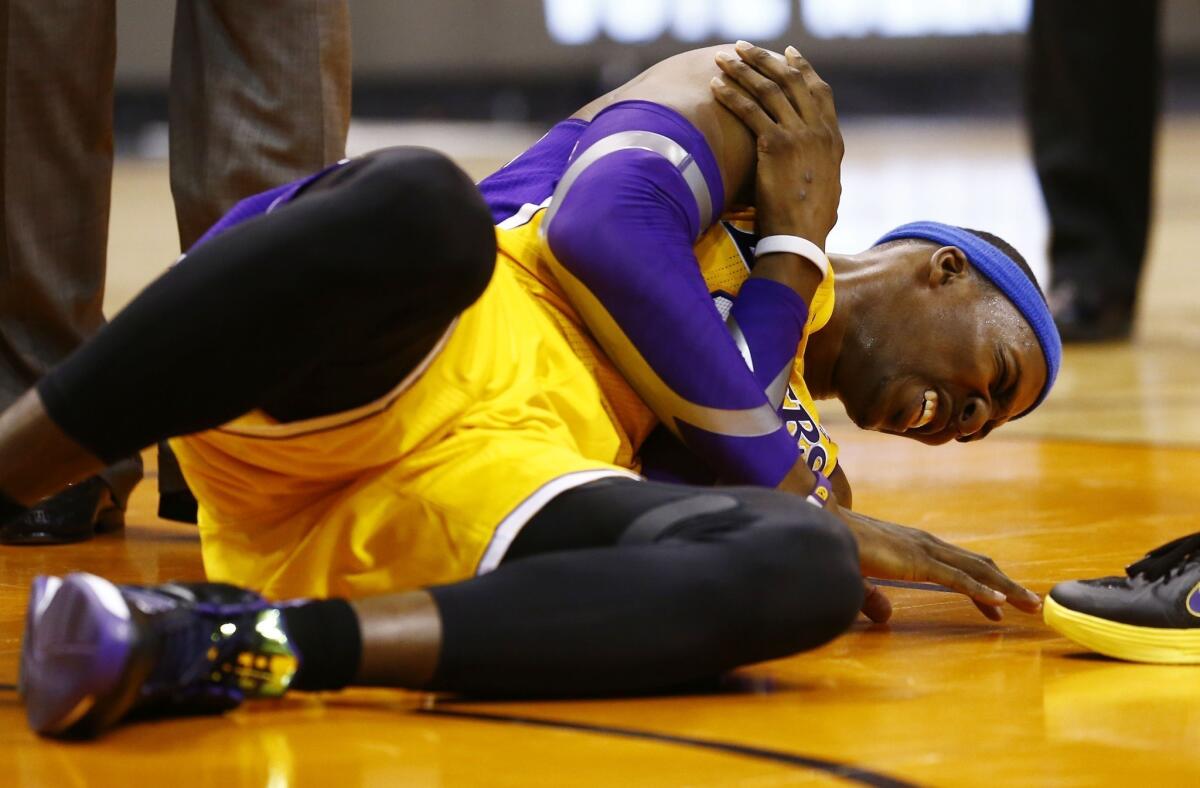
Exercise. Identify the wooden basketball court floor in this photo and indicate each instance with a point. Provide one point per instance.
(1107, 469)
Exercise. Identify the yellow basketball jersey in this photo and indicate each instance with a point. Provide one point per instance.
(426, 485)
(431, 483)
(723, 254)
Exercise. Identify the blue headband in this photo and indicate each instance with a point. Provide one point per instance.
(1002, 271)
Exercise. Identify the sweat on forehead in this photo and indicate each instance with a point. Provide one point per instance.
(999, 313)
(1004, 270)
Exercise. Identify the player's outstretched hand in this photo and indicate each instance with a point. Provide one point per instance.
(789, 108)
(896, 552)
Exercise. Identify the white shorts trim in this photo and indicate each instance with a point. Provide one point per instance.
(511, 525)
(291, 429)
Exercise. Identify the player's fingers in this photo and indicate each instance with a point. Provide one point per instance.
(993, 613)
(737, 101)
(985, 570)
(876, 606)
(963, 583)
(818, 89)
(978, 565)
(769, 94)
(822, 96)
(776, 71)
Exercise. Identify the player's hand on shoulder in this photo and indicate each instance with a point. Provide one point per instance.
(791, 112)
(897, 552)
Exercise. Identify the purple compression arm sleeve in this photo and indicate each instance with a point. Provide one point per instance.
(767, 323)
(641, 187)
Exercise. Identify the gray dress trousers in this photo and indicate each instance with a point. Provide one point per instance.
(259, 95)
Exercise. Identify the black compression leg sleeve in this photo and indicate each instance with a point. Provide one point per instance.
(722, 584)
(326, 633)
(381, 257)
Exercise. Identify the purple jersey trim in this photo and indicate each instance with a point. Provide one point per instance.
(258, 204)
(531, 177)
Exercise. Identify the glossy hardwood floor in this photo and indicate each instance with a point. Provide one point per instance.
(1106, 470)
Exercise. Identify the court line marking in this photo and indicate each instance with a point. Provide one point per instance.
(844, 771)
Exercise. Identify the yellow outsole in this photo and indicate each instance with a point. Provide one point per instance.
(1124, 641)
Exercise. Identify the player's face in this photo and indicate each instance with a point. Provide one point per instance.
(942, 363)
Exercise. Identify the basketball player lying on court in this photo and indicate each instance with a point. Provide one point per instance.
(372, 400)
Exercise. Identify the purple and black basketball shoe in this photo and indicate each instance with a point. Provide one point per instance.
(95, 653)
(1152, 614)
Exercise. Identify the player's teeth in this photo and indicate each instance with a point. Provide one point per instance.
(928, 411)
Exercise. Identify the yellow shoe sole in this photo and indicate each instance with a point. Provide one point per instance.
(1124, 641)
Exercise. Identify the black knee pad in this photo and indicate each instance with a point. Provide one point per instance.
(444, 218)
(789, 577)
(798, 571)
(418, 222)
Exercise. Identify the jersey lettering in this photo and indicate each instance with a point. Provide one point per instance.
(810, 436)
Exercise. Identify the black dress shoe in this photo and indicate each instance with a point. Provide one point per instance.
(1090, 317)
(75, 514)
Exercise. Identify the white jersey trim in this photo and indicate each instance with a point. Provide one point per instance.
(523, 214)
(512, 524)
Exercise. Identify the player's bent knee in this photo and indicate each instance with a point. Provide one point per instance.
(805, 582)
(457, 220)
(439, 218)
(413, 170)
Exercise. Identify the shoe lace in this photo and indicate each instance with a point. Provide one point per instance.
(1168, 560)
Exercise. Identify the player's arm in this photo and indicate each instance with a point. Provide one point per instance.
(797, 188)
(621, 227)
(621, 238)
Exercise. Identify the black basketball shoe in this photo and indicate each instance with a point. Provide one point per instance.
(1150, 615)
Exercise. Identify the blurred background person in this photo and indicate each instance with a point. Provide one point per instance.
(1093, 90)
(259, 95)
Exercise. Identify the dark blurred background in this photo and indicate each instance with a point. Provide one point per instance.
(930, 92)
(537, 60)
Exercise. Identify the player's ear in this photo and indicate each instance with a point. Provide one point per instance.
(946, 265)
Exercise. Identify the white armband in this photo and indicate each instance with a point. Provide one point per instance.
(794, 244)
